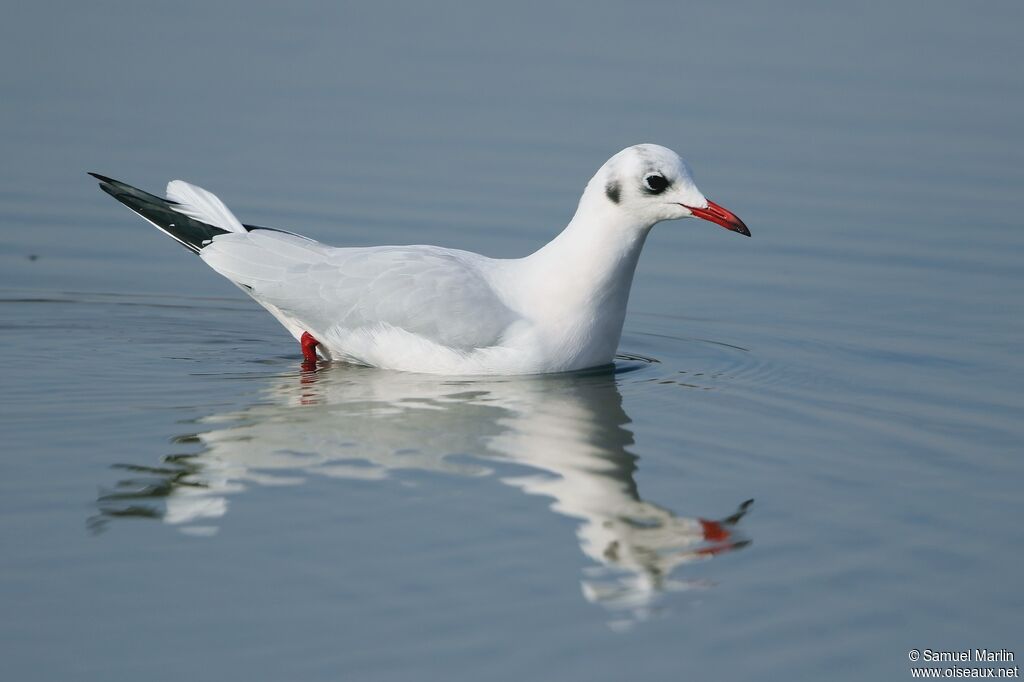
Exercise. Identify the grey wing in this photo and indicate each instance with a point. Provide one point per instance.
(439, 294)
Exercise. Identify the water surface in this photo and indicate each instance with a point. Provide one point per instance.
(180, 495)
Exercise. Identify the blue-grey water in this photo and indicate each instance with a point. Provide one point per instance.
(180, 500)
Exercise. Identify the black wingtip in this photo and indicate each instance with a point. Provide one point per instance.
(190, 233)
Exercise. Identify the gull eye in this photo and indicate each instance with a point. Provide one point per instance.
(655, 183)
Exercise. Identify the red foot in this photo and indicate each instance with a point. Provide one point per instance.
(309, 345)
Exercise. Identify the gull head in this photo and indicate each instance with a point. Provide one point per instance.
(650, 183)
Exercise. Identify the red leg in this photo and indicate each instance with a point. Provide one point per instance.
(309, 345)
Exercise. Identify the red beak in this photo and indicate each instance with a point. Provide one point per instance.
(720, 216)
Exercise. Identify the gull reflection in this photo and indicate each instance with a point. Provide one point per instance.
(569, 432)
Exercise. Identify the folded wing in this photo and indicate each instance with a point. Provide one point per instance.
(439, 294)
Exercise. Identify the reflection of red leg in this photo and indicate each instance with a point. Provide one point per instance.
(309, 345)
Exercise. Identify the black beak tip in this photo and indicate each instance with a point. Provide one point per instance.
(739, 226)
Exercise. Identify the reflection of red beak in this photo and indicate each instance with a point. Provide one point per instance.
(720, 216)
(713, 530)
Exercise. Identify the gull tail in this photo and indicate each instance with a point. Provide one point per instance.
(190, 215)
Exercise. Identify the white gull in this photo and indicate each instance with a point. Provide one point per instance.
(445, 311)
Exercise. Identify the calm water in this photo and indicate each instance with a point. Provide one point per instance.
(179, 498)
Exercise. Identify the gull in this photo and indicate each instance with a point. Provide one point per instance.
(436, 310)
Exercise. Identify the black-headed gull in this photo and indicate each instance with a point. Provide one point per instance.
(445, 311)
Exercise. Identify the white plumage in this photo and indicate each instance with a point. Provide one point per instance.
(206, 207)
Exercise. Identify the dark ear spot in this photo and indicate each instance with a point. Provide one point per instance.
(613, 192)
